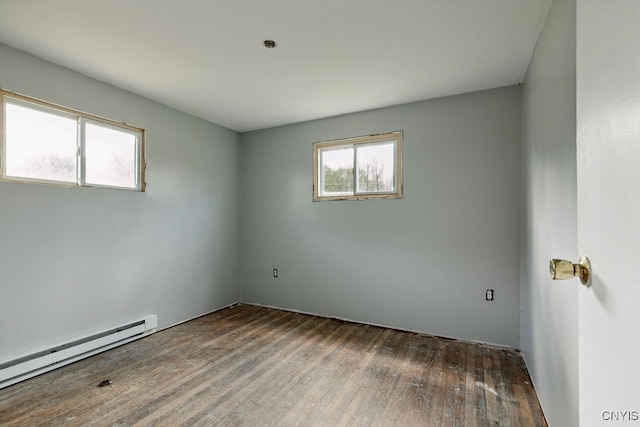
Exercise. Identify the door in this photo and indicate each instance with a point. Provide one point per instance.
(608, 161)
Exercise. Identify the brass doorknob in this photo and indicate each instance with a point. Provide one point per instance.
(561, 269)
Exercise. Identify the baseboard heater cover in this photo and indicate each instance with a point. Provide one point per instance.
(25, 367)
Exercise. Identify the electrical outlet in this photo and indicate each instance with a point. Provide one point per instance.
(275, 272)
(489, 295)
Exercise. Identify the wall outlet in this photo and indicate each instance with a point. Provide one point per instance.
(275, 272)
(489, 295)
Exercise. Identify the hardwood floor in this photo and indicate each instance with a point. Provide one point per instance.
(254, 366)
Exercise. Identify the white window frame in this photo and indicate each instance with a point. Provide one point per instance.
(318, 147)
(82, 119)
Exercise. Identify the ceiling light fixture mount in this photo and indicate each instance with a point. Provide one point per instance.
(269, 44)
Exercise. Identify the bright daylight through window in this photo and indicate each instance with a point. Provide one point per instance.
(365, 167)
(44, 143)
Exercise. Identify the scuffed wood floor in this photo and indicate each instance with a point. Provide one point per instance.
(253, 366)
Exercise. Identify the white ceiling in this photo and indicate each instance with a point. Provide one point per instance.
(206, 57)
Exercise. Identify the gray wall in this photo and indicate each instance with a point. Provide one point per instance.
(420, 263)
(75, 260)
(550, 309)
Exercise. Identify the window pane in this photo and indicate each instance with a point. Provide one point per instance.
(375, 167)
(40, 145)
(110, 156)
(337, 171)
(358, 168)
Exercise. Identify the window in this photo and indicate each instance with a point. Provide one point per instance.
(45, 143)
(367, 167)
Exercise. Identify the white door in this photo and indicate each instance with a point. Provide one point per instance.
(608, 161)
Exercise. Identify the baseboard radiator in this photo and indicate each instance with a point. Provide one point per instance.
(28, 366)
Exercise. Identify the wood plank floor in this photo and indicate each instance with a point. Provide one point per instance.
(254, 366)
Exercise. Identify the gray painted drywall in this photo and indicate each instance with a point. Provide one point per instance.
(420, 263)
(549, 332)
(76, 260)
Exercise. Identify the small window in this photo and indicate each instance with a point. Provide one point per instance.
(367, 167)
(45, 143)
